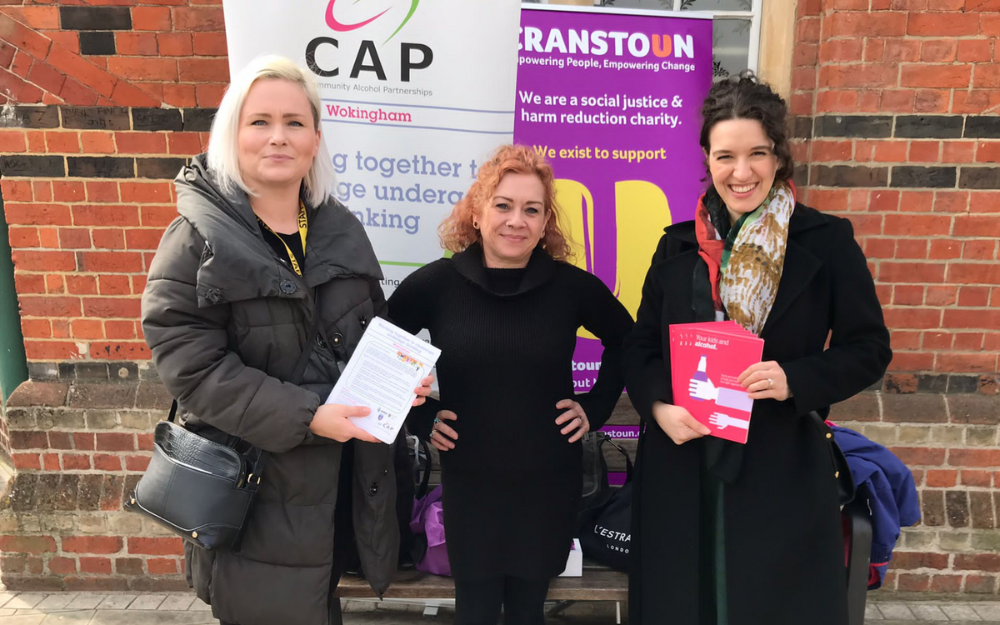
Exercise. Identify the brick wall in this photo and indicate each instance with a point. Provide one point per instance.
(895, 105)
(95, 123)
(101, 107)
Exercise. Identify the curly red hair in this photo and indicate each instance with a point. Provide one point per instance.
(457, 232)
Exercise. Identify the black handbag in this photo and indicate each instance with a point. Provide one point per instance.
(605, 522)
(200, 489)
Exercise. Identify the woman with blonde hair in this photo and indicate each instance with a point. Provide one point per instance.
(260, 254)
(505, 311)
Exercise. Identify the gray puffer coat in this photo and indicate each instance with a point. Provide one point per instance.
(226, 320)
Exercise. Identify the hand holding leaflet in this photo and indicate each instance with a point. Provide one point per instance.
(387, 365)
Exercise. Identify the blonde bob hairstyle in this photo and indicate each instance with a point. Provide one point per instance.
(223, 143)
(457, 232)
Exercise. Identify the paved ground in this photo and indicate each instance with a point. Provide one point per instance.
(184, 609)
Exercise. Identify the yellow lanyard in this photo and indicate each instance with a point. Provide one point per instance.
(303, 231)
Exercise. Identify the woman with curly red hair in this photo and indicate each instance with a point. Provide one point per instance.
(505, 311)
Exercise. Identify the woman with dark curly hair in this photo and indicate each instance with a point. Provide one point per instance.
(505, 311)
(749, 534)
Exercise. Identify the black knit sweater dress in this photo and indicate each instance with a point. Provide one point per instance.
(512, 484)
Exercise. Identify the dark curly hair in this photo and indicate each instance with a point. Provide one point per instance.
(745, 97)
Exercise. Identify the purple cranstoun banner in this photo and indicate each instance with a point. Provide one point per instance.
(612, 100)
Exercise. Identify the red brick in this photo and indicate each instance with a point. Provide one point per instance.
(97, 142)
(175, 44)
(943, 249)
(911, 249)
(109, 239)
(23, 237)
(920, 456)
(36, 328)
(210, 44)
(979, 250)
(32, 306)
(198, 19)
(114, 285)
(51, 350)
(101, 191)
(209, 96)
(15, 191)
(914, 582)
(68, 191)
(889, 151)
(82, 70)
(29, 284)
(136, 463)
(157, 216)
(115, 441)
(97, 566)
(942, 478)
(27, 462)
(916, 225)
(62, 566)
(87, 329)
(989, 562)
(136, 44)
(967, 363)
(986, 77)
(897, 101)
(974, 273)
(155, 546)
(12, 141)
(939, 50)
(60, 329)
(974, 296)
(990, 24)
(106, 462)
(913, 318)
(143, 239)
(127, 94)
(118, 215)
(145, 442)
(974, 50)
(865, 25)
(24, 38)
(67, 142)
(81, 285)
(975, 101)
(925, 151)
(969, 319)
(179, 95)
(935, 76)
(27, 544)
(981, 584)
(931, 101)
(83, 441)
(988, 152)
(832, 150)
(162, 566)
(120, 329)
(968, 341)
(37, 214)
(863, 76)
(979, 479)
(144, 68)
(50, 462)
(908, 295)
(184, 143)
(942, 25)
(75, 93)
(76, 462)
(151, 18)
(141, 143)
(902, 50)
(92, 544)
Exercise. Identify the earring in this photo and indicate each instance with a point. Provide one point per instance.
(475, 224)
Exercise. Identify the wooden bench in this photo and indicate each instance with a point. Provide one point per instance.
(598, 583)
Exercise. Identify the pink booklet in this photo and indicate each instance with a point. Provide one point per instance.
(706, 359)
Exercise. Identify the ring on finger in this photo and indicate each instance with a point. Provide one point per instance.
(770, 383)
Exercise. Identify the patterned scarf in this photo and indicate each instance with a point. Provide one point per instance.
(745, 267)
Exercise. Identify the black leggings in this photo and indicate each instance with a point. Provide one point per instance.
(479, 603)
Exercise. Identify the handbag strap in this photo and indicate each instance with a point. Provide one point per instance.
(628, 460)
(425, 479)
(297, 373)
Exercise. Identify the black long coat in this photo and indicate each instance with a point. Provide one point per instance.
(227, 321)
(783, 543)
